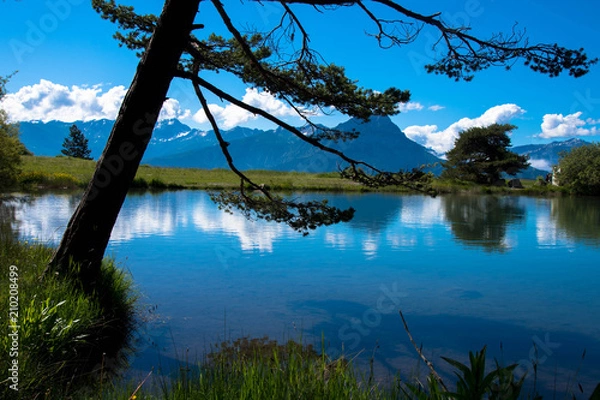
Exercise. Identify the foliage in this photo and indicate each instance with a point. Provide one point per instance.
(474, 383)
(11, 147)
(10, 153)
(62, 332)
(481, 155)
(579, 170)
(300, 216)
(76, 144)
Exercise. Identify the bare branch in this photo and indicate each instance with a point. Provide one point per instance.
(467, 54)
(410, 31)
(300, 216)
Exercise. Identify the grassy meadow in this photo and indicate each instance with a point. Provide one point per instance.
(51, 172)
(41, 173)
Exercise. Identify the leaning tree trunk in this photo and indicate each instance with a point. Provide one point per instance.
(86, 237)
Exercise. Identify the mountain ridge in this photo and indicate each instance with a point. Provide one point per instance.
(175, 144)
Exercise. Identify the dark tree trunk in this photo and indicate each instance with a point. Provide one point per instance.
(86, 237)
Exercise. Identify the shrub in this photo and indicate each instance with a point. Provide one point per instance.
(579, 170)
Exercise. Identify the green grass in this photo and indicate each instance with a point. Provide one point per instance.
(259, 369)
(188, 178)
(70, 173)
(530, 188)
(64, 339)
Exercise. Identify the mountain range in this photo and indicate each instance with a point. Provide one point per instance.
(174, 144)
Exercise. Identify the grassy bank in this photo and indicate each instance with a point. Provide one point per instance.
(54, 172)
(71, 173)
(57, 339)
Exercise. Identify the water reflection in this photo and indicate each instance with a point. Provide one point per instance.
(8, 225)
(483, 220)
(579, 218)
(43, 218)
(523, 273)
(401, 222)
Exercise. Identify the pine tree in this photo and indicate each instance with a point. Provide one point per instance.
(76, 144)
(481, 155)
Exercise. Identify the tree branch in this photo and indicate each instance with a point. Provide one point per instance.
(480, 54)
(414, 180)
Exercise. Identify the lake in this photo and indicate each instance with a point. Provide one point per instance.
(518, 274)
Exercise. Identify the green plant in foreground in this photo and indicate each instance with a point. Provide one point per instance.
(66, 339)
(474, 383)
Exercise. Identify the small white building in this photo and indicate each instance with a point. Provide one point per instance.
(555, 172)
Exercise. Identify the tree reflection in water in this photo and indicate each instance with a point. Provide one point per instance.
(482, 220)
(578, 217)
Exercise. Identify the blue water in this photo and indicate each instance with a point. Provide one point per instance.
(516, 273)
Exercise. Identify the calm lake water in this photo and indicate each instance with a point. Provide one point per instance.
(519, 274)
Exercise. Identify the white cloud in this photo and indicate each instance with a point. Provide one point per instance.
(171, 109)
(416, 106)
(559, 126)
(443, 140)
(231, 115)
(47, 101)
(544, 165)
(410, 106)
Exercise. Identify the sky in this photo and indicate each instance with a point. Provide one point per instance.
(70, 68)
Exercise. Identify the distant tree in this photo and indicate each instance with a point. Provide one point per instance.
(10, 152)
(279, 60)
(481, 155)
(11, 148)
(76, 144)
(579, 169)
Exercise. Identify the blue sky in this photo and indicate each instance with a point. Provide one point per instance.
(70, 68)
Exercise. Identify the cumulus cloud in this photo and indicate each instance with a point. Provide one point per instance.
(443, 140)
(47, 101)
(544, 165)
(231, 115)
(410, 106)
(171, 109)
(560, 126)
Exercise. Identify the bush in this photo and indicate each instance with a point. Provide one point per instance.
(156, 183)
(579, 170)
(10, 153)
(139, 183)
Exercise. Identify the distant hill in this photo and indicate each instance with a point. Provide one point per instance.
(174, 144)
(169, 137)
(380, 143)
(544, 156)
